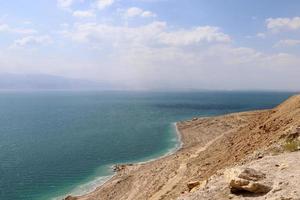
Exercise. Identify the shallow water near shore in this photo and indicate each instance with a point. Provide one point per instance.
(61, 142)
(105, 173)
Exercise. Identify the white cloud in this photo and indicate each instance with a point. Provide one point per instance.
(116, 35)
(9, 29)
(194, 36)
(214, 67)
(32, 40)
(148, 14)
(287, 43)
(84, 13)
(278, 24)
(155, 33)
(138, 12)
(102, 4)
(65, 3)
(146, 55)
(133, 12)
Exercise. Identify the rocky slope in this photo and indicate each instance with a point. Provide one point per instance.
(210, 145)
(280, 178)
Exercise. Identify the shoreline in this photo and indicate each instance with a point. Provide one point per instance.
(114, 167)
(194, 137)
(171, 151)
(179, 145)
(77, 191)
(206, 147)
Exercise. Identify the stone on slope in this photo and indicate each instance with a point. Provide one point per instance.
(248, 180)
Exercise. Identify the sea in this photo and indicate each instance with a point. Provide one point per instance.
(55, 143)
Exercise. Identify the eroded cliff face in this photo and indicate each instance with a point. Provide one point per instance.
(210, 145)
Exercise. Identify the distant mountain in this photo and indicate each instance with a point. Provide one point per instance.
(48, 82)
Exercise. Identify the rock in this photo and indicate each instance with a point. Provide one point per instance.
(230, 196)
(286, 198)
(117, 168)
(237, 184)
(251, 175)
(70, 198)
(247, 181)
(201, 185)
(295, 133)
(283, 166)
(276, 190)
(259, 156)
(192, 185)
(240, 185)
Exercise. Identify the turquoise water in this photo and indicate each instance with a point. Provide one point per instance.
(51, 143)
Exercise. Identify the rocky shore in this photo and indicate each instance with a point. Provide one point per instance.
(248, 155)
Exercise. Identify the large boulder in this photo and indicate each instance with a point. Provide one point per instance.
(241, 185)
(249, 180)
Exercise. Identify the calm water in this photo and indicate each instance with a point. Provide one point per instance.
(52, 142)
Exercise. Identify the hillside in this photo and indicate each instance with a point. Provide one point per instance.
(210, 145)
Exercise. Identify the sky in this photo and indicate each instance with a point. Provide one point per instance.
(156, 44)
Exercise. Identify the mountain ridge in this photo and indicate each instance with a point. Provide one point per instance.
(9, 81)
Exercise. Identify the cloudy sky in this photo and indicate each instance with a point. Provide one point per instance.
(155, 44)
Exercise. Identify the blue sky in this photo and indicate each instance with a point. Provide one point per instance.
(155, 44)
